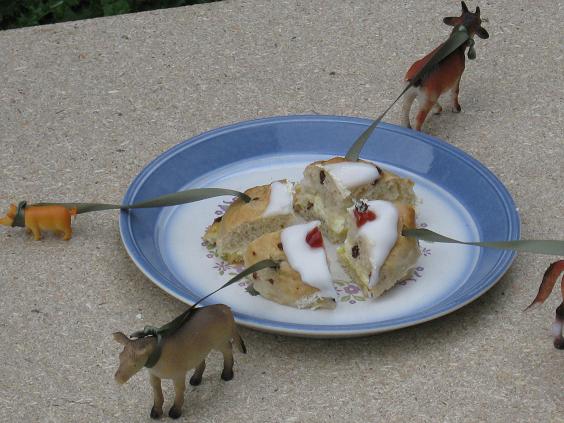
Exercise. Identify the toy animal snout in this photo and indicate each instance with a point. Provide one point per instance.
(8, 219)
(120, 378)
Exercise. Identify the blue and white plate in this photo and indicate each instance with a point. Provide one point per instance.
(459, 197)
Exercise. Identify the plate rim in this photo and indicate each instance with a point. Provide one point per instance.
(497, 271)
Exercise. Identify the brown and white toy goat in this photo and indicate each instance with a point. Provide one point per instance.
(208, 328)
(548, 281)
(446, 76)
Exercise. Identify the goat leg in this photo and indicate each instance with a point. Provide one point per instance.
(157, 410)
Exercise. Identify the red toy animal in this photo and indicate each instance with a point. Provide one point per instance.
(446, 76)
(548, 281)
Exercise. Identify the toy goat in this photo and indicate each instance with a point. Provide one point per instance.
(207, 328)
(446, 76)
(53, 218)
(548, 281)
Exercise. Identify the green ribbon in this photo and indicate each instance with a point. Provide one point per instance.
(19, 218)
(172, 326)
(471, 49)
(457, 38)
(550, 247)
(173, 199)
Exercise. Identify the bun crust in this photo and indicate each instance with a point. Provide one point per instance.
(244, 222)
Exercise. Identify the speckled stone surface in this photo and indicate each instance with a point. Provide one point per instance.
(85, 105)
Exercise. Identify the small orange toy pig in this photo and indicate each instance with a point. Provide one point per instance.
(446, 76)
(35, 219)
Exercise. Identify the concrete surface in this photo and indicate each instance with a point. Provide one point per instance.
(85, 105)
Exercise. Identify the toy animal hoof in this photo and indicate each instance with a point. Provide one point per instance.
(559, 343)
(457, 108)
(227, 376)
(174, 413)
(156, 414)
(195, 381)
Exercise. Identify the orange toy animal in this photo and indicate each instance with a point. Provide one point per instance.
(40, 218)
(446, 76)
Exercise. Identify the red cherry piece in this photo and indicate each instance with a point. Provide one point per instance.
(314, 238)
(363, 217)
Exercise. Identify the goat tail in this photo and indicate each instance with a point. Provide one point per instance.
(410, 96)
(234, 332)
(239, 341)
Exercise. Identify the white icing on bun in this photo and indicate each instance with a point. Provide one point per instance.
(280, 201)
(310, 263)
(353, 174)
(379, 234)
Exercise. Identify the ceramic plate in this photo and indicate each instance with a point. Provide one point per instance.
(459, 197)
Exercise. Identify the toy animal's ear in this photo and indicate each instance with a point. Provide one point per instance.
(451, 20)
(464, 7)
(121, 338)
(482, 33)
(477, 12)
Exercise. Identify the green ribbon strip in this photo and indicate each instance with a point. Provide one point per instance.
(173, 199)
(174, 325)
(457, 38)
(550, 247)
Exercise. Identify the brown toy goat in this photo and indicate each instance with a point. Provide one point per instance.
(446, 76)
(207, 328)
(548, 281)
(53, 218)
